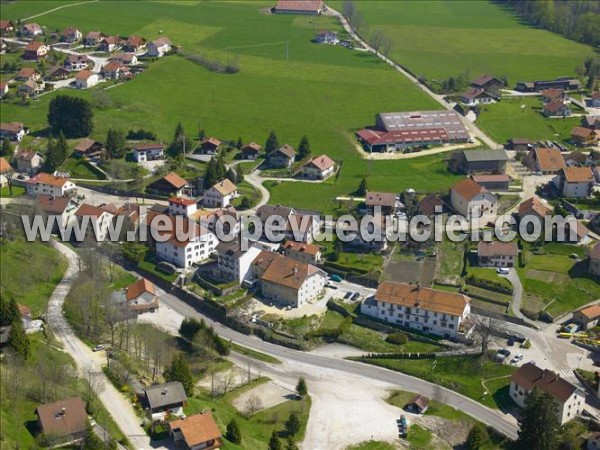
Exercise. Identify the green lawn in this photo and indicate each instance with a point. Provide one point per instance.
(401, 398)
(254, 354)
(29, 272)
(80, 168)
(439, 39)
(372, 445)
(507, 119)
(16, 191)
(450, 261)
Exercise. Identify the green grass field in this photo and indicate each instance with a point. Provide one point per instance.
(439, 39)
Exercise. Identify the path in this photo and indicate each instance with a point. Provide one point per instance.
(120, 409)
(257, 181)
(56, 9)
(438, 98)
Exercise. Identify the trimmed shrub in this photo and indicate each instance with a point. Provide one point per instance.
(397, 338)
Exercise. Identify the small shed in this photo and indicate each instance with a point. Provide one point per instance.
(417, 405)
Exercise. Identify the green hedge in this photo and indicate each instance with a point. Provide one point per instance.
(488, 284)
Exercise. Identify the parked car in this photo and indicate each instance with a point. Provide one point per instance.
(503, 270)
(98, 347)
(517, 358)
(502, 354)
(348, 295)
(355, 296)
(336, 278)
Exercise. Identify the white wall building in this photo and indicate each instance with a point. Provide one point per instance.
(473, 201)
(148, 151)
(86, 79)
(179, 206)
(575, 182)
(98, 221)
(158, 47)
(233, 263)
(44, 183)
(185, 252)
(220, 195)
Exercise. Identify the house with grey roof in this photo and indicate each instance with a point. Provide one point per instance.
(164, 399)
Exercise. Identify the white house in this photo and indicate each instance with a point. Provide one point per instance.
(148, 151)
(424, 309)
(13, 131)
(71, 35)
(233, 263)
(164, 400)
(220, 195)
(179, 206)
(76, 63)
(300, 226)
(497, 254)
(576, 182)
(184, 243)
(569, 398)
(63, 208)
(129, 59)
(476, 96)
(5, 170)
(196, 432)
(31, 30)
(141, 297)
(86, 79)
(327, 37)
(44, 183)
(318, 168)
(473, 201)
(306, 253)
(287, 282)
(98, 221)
(158, 47)
(93, 38)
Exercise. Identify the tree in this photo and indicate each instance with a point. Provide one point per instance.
(387, 46)
(71, 115)
(539, 425)
(91, 441)
(6, 148)
(57, 151)
(274, 442)
(233, 432)
(253, 405)
(290, 444)
(272, 143)
(232, 176)
(18, 339)
(180, 144)
(115, 143)
(9, 311)
(485, 330)
(478, 437)
(349, 9)
(301, 388)
(179, 370)
(304, 147)
(239, 143)
(292, 425)
(362, 188)
(202, 135)
(376, 41)
(239, 174)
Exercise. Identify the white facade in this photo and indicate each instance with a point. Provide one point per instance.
(58, 189)
(158, 49)
(182, 208)
(184, 254)
(482, 206)
(296, 298)
(572, 190)
(148, 154)
(90, 81)
(235, 266)
(214, 199)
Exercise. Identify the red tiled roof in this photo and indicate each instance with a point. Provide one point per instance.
(582, 132)
(378, 137)
(491, 249)
(322, 163)
(536, 205)
(302, 248)
(26, 72)
(175, 180)
(90, 210)
(468, 189)
(138, 288)
(52, 203)
(46, 178)
(530, 376)
(84, 75)
(4, 166)
(549, 159)
(483, 80)
(11, 127)
(198, 429)
(252, 146)
(33, 46)
(148, 146)
(591, 312)
(553, 107)
(381, 199)
(288, 272)
(596, 251)
(490, 178)
(182, 201)
(578, 174)
(299, 5)
(225, 187)
(63, 418)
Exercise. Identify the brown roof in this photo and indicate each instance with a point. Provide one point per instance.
(11, 127)
(472, 93)
(70, 31)
(26, 72)
(225, 187)
(582, 132)
(286, 150)
(94, 35)
(484, 79)
(148, 146)
(46, 178)
(468, 189)
(553, 106)
(413, 296)
(111, 39)
(52, 203)
(211, 141)
(135, 41)
(63, 418)
(578, 174)
(299, 5)
(252, 146)
(84, 75)
(496, 248)
(288, 272)
(302, 248)
(596, 95)
(77, 58)
(381, 199)
(322, 162)
(596, 251)
(552, 93)
(84, 145)
(175, 180)
(591, 312)
(428, 204)
(24, 310)
(90, 210)
(138, 288)
(530, 376)
(264, 259)
(536, 205)
(420, 400)
(162, 41)
(4, 24)
(197, 429)
(549, 159)
(4, 166)
(112, 66)
(182, 201)
(26, 155)
(490, 178)
(179, 231)
(33, 46)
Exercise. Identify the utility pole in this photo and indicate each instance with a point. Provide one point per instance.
(287, 50)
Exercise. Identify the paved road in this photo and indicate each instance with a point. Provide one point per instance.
(120, 409)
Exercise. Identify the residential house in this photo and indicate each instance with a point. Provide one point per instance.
(141, 297)
(63, 421)
(327, 37)
(148, 151)
(27, 74)
(97, 219)
(282, 158)
(180, 206)
(13, 131)
(93, 38)
(197, 432)
(519, 145)
(35, 51)
(89, 148)
(5, 172)
(553, 95)
(134, 44)
(387, 203)
(130, 222)
(575, 159)
(251, 150)
(287, 282)
(595, 100)
(31, 30)
(30, 89)
(3, 89)
(129, 59)
(582, 233)
(86, 79)
(158, 47)
(478, 161)
(115, 71)
(299, 225)
(57, 73)
(110, 43)
(220, 195)
(583, 137)
(62, 208)
(234, 263)
(497, 254)
(308, 7)
(29, 162)
(590, 121)
(594, 267)
(318, 168)
(71, 35)
(587, 317)
(6, 27)
(417, 405)
(535, 207)
(473, 201)
(476, 96)
(45, 183)
(169, 185)
(569, 398)
(164, 400)
(431, 205)
(574, 182)
(209, 146)
(498, 182)
(556, 109)
(75, 63)
(224, 218)
(373, 238)
(306, 253)
(437, 312)
(564, 83)
(489, 83)
(548, 161)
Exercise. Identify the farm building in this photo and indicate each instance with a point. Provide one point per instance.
(309, 7)
(478, 161)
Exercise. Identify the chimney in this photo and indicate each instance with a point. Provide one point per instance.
(164, 392)
(295, 269)
(63, 411)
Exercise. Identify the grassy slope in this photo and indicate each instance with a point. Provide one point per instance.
(440, 39)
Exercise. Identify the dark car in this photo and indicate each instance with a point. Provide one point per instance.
(355, 296)
(348, 295)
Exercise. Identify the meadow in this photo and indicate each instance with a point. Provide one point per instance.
(439, 39)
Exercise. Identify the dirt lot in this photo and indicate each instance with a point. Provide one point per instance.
(270, 394)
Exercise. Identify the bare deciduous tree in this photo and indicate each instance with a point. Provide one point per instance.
(386, 46)
(376, 40)
(349, 9)
(253, 405)
(486, 329)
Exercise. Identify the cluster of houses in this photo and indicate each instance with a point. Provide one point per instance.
(484, 90)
